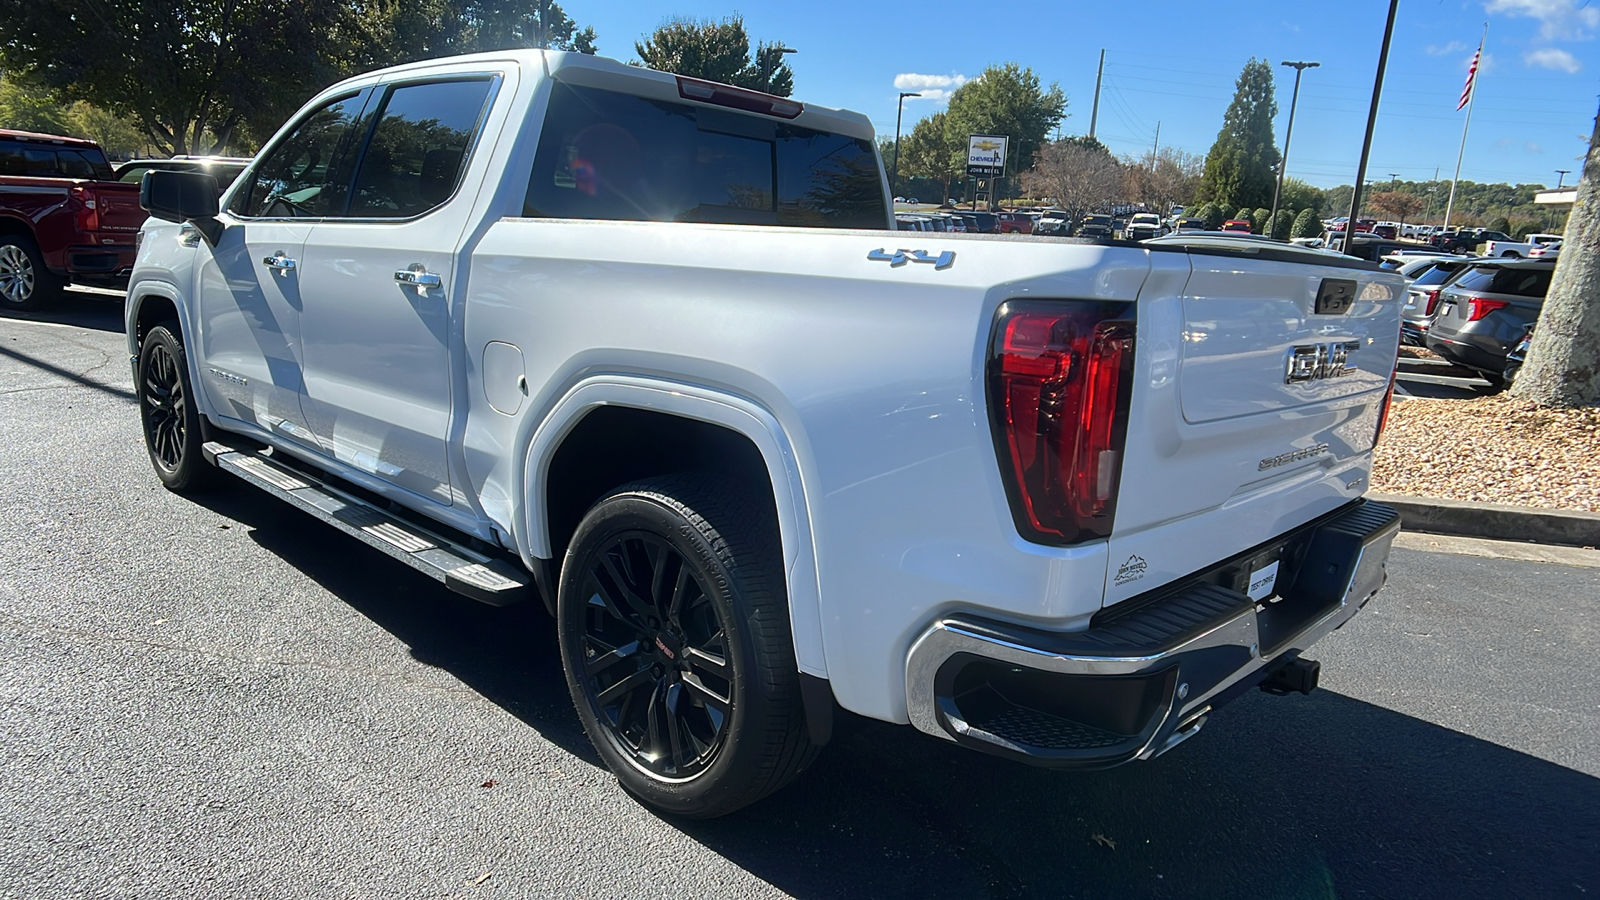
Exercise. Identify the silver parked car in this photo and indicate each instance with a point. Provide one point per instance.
(1483, 313)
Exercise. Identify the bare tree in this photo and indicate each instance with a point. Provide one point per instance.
(1563, 365)
(1396, 204)
(1161, 181)
(1076, 177)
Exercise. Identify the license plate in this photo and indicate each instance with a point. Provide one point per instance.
(1264, 581)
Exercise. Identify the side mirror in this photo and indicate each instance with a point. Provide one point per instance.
(178, 196)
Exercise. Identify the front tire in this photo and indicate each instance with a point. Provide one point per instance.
(675, 640)
(167, 412)
(25, 284)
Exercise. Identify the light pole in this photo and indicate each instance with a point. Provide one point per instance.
(1372, 121)
(772, 57)
(894, 189)
(1561, 175)
(1283, 161)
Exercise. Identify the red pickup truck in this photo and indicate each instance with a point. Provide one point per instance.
(64, 218)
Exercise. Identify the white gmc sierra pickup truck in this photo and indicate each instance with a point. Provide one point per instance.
(646, 348)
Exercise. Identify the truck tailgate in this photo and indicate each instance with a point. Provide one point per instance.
(118, 206)
(1259, 387)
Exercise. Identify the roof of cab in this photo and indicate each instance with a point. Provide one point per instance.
(609, 74)
(35, 136)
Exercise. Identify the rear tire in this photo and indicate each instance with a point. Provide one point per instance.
(675, 641)
(25, 284)
(167, 412)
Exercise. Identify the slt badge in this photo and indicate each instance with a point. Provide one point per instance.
(901, 257)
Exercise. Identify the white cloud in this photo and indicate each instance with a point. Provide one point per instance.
(1557, 18)
(1532, 147)
(1446, 50)
(1552, 58)
(932, 87)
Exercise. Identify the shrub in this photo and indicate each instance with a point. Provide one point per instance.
(1306, 225)
(1281, 225)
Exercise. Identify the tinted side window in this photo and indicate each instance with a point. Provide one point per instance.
(1476, 279)
(415, 156)
(607, 155)
(307, 173)
(83, 163)
(1436, 275)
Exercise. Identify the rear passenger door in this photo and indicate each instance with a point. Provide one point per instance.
(379, 281)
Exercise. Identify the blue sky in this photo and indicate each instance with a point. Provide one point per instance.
(1175, 61)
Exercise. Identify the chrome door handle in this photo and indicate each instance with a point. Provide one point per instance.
(278, 261)
(419, 277)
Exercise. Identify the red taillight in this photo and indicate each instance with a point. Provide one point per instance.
(1433, 300)
(738, 98)
(1478, 307)
(1059, 385)
(88, 216)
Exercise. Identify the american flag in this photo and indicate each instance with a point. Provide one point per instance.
(1472, 75)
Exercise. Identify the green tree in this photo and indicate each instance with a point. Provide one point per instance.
(1211, 213)
(1242, 162)
(1306, 225)
(1298, 194)
(1258, 218)
(1500, 223)
(191, 73)
(1005, 100)
(928, 152)
(29, 107)
(717, 51)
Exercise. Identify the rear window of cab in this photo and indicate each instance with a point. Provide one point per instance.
(609, 155)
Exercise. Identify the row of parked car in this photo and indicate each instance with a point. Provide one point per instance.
(1477, 312)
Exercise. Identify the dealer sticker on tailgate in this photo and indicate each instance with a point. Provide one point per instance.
(1263, 581)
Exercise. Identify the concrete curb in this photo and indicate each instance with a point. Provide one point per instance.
(1495, 521)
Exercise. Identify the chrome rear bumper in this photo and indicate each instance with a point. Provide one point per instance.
(1146, 673)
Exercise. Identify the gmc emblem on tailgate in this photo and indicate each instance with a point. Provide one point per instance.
(1313, 362)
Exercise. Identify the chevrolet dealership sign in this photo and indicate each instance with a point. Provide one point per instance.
(986, 155)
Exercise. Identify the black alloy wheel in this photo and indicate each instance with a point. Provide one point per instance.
(164, 407)
(170, 419)
(655, 653)
(675, 640)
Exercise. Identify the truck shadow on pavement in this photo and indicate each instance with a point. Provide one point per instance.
(1300, 797)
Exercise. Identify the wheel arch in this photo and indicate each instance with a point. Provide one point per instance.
(151, 302)
(672, 405)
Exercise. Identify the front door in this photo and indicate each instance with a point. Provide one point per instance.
(249, 290)
(378, 286)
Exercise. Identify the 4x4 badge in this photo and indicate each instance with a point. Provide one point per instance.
(900, 257)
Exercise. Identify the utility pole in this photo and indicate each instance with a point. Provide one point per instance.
(1094, 114)
(1155, 149)
(1283, 161)
(894, 188)
(1372, 120)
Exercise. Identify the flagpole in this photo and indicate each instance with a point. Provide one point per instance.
(1471, 99)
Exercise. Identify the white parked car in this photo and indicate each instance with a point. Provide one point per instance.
(761, 456)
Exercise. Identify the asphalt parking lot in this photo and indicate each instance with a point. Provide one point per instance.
(224, 698)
